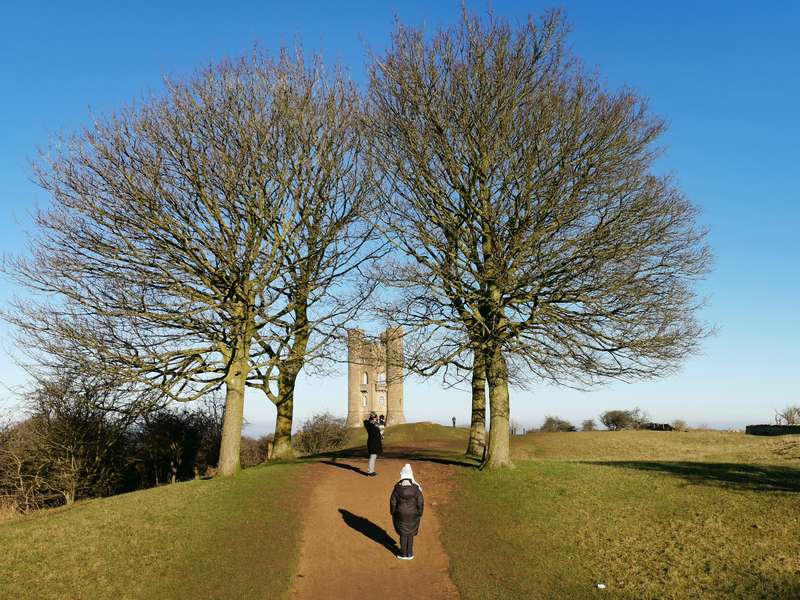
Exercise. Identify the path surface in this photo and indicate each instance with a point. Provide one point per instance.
(349, 543)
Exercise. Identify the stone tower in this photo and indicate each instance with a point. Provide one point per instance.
(375, 376)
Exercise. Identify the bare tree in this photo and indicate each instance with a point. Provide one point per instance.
(324, 167)
(176, 227)
(788, 416)
(521, 194)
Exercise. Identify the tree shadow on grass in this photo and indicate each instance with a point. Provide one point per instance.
(403, 452)
(371, 530)
(762, 478)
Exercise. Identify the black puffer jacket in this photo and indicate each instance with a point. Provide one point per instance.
(374, 444)
(406, 506)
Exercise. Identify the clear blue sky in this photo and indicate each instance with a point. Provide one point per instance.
(725, 75)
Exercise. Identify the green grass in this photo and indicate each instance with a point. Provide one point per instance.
(223, 538)
(715, 446)
(649, 514)
(414, 433)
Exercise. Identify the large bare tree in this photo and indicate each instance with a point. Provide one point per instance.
(324, 167)
(176, 227)
(523, 196)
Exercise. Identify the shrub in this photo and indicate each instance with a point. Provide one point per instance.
(254, 450)
(67, 450)
(320, 433)
(588, 425)
(623, 419)
(171, 445)
(554, 424)
(680, 425)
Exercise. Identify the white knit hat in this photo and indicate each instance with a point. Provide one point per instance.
(407, 473)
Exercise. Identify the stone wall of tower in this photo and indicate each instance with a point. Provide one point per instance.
(393, 342)
(375, 377)
(355, 343)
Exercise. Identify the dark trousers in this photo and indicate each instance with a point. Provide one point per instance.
(406, 545)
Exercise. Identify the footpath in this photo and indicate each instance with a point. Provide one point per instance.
(349, 543)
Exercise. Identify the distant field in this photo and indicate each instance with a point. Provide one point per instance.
(648, 514)
(716, 446)
(225, 538)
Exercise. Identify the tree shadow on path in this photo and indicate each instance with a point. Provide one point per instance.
(333, 463)
(371, 530)
(762, 478)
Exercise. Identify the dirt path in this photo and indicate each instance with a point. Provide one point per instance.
(349, 544)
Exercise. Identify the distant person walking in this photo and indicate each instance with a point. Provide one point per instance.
(374, 445)
(454, 422)
(406, 505)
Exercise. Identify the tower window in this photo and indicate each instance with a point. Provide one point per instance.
(382, 400)
(365, 378)
(364, 400)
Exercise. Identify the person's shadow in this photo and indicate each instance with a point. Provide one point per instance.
(371, 530)
(333, 463)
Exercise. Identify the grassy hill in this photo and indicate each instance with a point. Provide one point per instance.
(223, 538)
(648, 514)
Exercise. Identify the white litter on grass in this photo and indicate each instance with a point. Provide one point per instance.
(600, 586)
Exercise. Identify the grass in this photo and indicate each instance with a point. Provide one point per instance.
(223, 538)
(415, 433)
(648, 514)
(713, 446)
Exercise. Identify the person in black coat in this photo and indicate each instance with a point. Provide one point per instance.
(406, 505)
(374, 445)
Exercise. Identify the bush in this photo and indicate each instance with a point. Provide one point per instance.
(254, 451)
(320, 433)
(588, 425)
(86, 438)
(171, 445)
(680, 425)
(70, 448)
(623, 419)
(554, 424)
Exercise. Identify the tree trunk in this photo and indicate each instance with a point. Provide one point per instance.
(497, 375)
(233, 417)
(282, 443)
(477, 429)
(287, 378)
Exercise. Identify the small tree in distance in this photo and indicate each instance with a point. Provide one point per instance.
(788, 416)
(680, 425)
(554, 424)
(615, 420)
(588, 425)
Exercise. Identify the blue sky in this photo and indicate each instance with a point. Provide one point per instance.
(725, 75)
